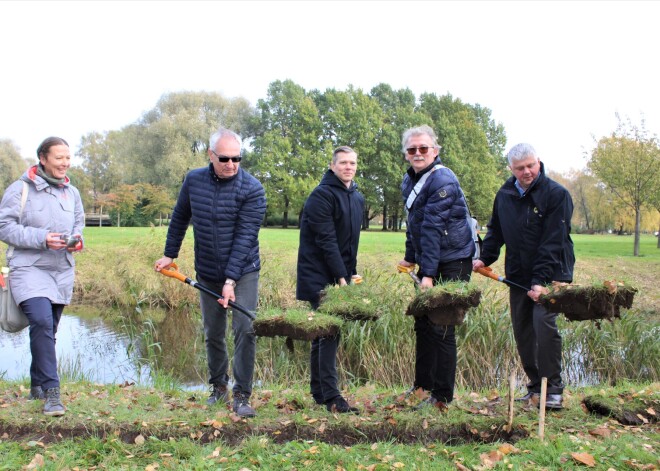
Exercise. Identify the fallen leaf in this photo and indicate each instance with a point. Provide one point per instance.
(584, 458)
(139, 440)
(37, 462)
(601, 432)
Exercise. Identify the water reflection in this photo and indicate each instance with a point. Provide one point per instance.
(86, 348)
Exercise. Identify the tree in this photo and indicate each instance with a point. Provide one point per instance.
(172, 138)
(290, 156)
(99, 164)
(12, 165)
(156, 201)
(628, 162)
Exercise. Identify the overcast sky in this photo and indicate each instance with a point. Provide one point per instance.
(553, 73)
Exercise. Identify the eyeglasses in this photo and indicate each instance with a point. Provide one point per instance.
(224, 159)
(422, 150)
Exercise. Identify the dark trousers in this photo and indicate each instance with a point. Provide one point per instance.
(323, 366)
(538, 341)
(245, 340)
(435, 349)
(44, 318)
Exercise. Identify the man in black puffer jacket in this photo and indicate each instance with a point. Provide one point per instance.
(532, 217)
(439, 240)
(327, 255)
(226, 206)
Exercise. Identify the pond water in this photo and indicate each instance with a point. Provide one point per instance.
(87, 347)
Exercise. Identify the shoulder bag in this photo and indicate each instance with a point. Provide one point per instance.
(12, 318)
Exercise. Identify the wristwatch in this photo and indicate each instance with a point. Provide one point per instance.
(230, 282)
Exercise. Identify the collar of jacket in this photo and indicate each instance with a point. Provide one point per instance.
(416, 176)
(329, 178)
(221, 180)
(39, 183)
(535, 183)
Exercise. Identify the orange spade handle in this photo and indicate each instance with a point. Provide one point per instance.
(488, 272)
(404, 269)
(173, 272)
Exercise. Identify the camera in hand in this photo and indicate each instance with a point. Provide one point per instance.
(70, 240)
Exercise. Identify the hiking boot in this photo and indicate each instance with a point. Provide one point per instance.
(219, 393)
(242, 405)
(431, 402)
(527, 397)
(553, 401)
(53, 406)
(36, 393)
(339, 404)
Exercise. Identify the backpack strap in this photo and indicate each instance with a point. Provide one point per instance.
(418, 187)
(24, 195)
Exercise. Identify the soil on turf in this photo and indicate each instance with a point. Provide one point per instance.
(443, 307)
(580, 303)
(280, 326)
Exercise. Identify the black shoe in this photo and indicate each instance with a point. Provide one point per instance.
(431, 402)
(219, 393)
(36, 393)
(339, 404)
(53, 406)
(242, 405)
(553, 401)
(527, 397)
(318, 399)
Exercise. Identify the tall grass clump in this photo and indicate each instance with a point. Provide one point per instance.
(116, 270)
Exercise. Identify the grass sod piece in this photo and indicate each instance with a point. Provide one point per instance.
(296, 324)
(355, 302)
(580, 303)
(446, 303)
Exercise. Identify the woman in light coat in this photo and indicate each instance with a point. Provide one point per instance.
(42, 233)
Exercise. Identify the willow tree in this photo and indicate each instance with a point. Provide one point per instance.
(628, 163)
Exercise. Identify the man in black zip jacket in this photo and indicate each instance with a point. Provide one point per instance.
(327, 255)
(532, 217)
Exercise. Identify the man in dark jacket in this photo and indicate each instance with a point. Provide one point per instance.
(329, 236)
(532, 217)
(226, 206)
(439, 240)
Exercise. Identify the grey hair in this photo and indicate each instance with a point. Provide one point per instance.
(521, 152)
(418, 131)
(224, 132)
(341, 150)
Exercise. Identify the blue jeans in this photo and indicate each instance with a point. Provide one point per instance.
(44, 318)
(245, 341)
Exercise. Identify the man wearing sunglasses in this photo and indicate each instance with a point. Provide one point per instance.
(225, 205)
(438, 240)
(327, 255)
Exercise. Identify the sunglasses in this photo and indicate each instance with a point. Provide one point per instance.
(224, 159)
(422, 150)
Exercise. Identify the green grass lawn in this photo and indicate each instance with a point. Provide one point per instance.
(376, 242)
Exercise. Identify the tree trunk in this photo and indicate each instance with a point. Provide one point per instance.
(638, 220)
(384, 217)
(285, 215)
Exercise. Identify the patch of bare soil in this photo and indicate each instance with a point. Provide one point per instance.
(639, 412)
(275, 326)
(579, 303)
(444, 308)
(234, 434)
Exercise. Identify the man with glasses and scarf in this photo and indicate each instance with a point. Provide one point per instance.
(438, 240)
(225, 205)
